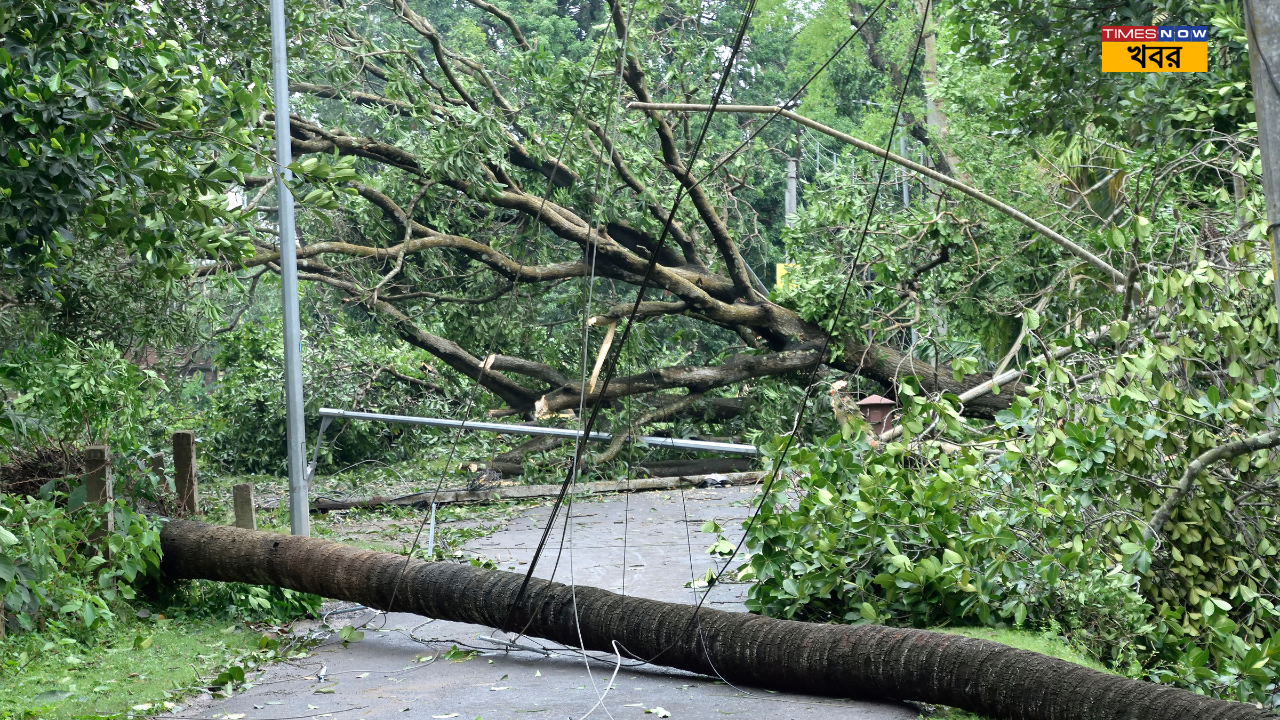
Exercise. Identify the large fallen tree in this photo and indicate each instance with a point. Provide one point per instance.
(865, 661)
(478, 177)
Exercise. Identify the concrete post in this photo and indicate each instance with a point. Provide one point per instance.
(246, 514)
(157, 469)
(184, 472)
(97, 479)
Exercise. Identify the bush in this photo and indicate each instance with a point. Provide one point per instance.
(922, 537)
(53, 575)
(244, 422)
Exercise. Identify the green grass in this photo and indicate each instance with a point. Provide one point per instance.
(1045, 643)
(42, 678)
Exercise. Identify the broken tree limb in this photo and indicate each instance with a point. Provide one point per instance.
(524, 492)
(604, 353)
(695, 468)
(861, 661)
(1162, 514)
(1061, 240)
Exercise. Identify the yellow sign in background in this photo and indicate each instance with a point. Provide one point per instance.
(1150, 56)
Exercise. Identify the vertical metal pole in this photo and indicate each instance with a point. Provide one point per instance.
(299, 497)
(789, 206)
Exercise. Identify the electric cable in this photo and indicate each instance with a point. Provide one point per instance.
(591, 256)
(791, 100)
(484, 367)
(844, 295)
(810, 384)
(612, 363)
(612, 360)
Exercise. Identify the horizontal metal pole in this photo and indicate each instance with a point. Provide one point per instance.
(679, 443)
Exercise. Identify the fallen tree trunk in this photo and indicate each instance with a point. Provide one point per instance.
(864, 661)
(522, 492)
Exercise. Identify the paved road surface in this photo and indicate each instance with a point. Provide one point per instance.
(403, 669)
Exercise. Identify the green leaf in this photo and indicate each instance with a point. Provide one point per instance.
(1118, 331)
(7, 538)
(868, 612)
(825, 497)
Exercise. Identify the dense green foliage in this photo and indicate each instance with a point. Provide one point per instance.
(55, 578)
(102, 138)
(1042, 518)
(138, 293)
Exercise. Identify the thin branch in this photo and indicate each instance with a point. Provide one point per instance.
(504, 17)
(660, 413)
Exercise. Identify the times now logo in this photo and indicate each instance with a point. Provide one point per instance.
(1152, 33)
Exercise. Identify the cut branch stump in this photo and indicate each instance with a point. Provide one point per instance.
(871, 662)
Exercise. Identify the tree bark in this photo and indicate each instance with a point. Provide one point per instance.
(864, 661)
(935, 116)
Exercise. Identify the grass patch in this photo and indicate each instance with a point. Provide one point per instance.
(137, 663)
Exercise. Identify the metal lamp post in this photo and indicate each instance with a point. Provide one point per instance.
(299, 497)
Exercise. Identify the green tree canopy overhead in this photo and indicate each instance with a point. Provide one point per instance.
(118, 134)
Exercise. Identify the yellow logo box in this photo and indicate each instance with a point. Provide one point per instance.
(1155, 56)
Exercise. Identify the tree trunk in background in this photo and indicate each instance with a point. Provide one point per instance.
(935, 118)
(866, 661)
